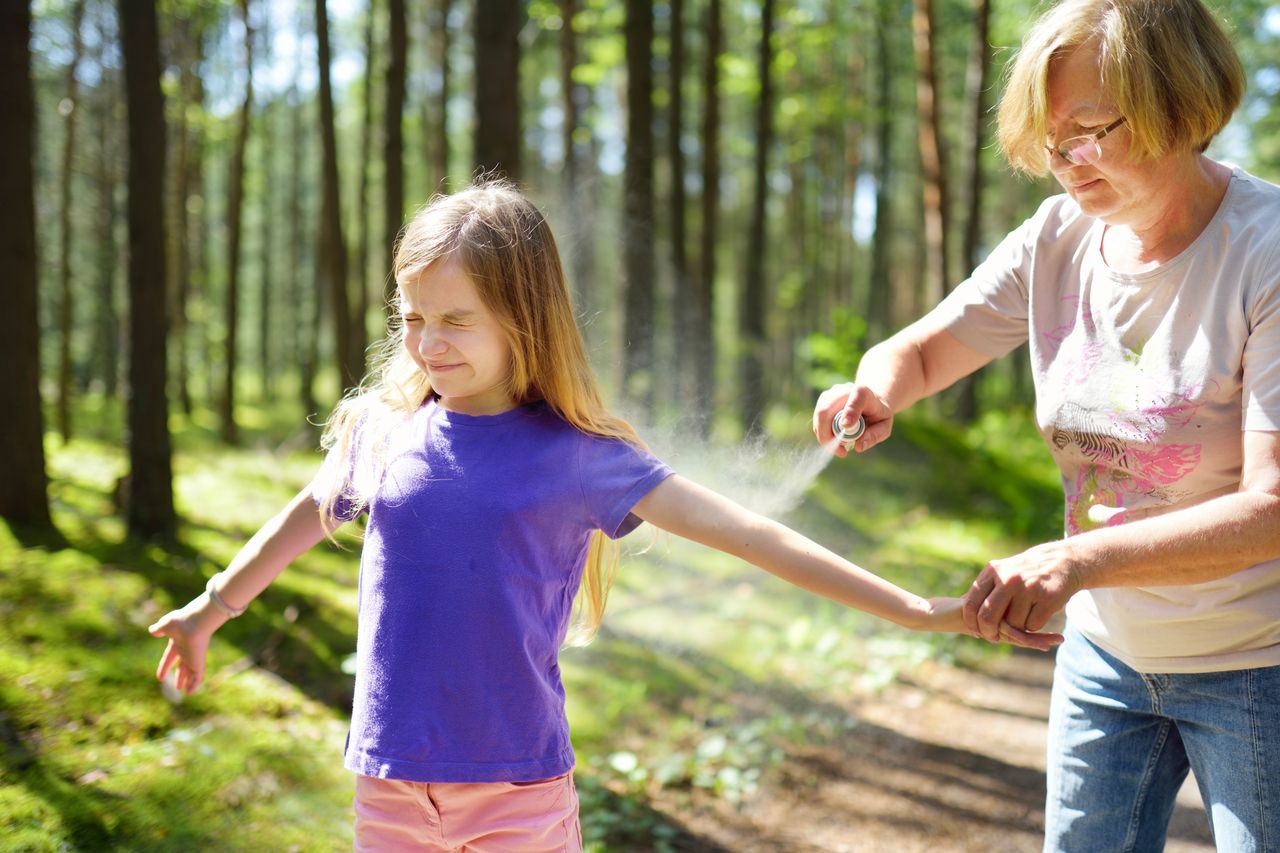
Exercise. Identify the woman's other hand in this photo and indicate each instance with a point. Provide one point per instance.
(1023, 591)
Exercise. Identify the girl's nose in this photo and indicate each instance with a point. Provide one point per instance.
(431, 343)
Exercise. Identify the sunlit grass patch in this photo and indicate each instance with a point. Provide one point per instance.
(95, 758)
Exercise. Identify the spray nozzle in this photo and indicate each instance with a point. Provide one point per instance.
(848, 435)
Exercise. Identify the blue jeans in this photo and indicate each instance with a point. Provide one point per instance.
(1121, 742)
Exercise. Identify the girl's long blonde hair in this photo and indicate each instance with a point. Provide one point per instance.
(503, 241)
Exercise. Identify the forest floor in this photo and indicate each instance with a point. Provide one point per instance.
(945, 759)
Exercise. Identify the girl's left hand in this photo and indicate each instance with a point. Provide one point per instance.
(188, 630)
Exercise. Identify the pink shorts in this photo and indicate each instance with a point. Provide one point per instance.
(530, 817)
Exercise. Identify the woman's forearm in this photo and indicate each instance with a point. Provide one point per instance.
(894, 371)
(1193, 545)
(1197, 543)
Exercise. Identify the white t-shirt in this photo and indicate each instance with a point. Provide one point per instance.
(1144, 385)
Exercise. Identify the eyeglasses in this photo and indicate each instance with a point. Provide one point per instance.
(1083, 150)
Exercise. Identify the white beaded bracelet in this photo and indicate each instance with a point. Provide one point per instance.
(218, 602)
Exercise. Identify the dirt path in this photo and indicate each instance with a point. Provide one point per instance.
(950, 760)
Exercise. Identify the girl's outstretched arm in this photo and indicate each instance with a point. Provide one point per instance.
(697, 513)
(293, 530)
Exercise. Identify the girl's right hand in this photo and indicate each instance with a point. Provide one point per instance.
(852, 401)
(189, 630)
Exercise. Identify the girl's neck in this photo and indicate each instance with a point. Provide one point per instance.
(475, 406)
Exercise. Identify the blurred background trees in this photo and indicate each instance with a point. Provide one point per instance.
(747, 194)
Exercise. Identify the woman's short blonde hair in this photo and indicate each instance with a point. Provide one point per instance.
(1168, 65)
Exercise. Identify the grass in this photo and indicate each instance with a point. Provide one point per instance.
(706, 673)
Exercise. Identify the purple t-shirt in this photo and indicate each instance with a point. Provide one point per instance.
(476, 538)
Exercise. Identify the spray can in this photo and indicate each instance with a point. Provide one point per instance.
(848, 435)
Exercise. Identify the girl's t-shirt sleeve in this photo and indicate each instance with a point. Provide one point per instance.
(614, 476)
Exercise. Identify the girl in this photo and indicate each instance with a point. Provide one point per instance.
(492, 475)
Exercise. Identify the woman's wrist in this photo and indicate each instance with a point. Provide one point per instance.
(1079, 558)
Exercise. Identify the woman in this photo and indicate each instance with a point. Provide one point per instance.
(1149, 295)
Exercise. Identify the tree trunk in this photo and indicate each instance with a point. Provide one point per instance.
(23, 483)
(393, 145)
(933, 166)
(976, 83)
(64, 225)
(637, 222)
(187, 233)
(802, 253)
(568, 99)
(579, 188)
(685, 299)
(199, 337)
(880, 285)
(150, 512)
(440, 147)
(178, 38)
(235, 204)
(704, 338)
(751, 313)
(266, 360)
(361, 261)
(331, 272)
(303, 334)
(267, 149)
(852, 128)
(497, 31)
(107, 340)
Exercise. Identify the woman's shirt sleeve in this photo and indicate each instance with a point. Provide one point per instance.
(988, 312)
(1261, 361)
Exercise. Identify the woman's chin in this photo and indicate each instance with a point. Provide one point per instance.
(1095, 204)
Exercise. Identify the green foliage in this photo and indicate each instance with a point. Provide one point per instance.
(833, 356)
(605, 51)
